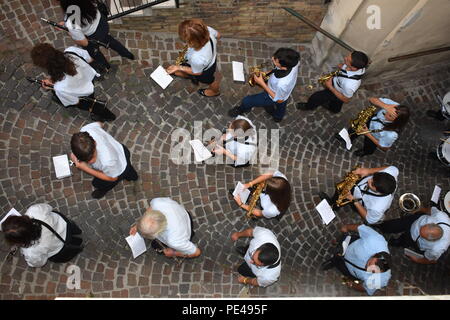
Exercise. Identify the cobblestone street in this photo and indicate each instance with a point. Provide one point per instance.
(33, 129)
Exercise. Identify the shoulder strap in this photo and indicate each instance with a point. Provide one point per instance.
(51, 229)
(443, 223)
(357, 267)
(276, 264)
(74, 54)
(212, 51)
(343, 74)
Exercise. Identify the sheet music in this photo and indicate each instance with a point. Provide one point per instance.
(436, 194)
(201, 153)
(325, 211)
(12, 212)
(137, 244)
(161, 77)
(345, 135)
(345, 244)
(243, 194)
(409, 252)
(238, 71)
(62, 167)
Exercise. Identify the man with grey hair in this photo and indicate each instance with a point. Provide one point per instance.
(170, 227)
(427, 231)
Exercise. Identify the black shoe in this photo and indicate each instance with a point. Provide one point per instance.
(324, 196)
(328, 264)
(277, 120)
(302, 106)
(97, 193)
(394, 242)
(360, 153)
(236, 111)
(241, 250)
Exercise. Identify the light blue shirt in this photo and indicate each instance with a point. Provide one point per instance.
(385, 138)
(360, 251)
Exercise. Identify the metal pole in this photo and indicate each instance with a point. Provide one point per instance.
(319, 29)
(419, 54)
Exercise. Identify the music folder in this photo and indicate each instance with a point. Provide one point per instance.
(62, 166)
(346, 136)
(137, 244)
(201, 153)
(241, 192)
(326, 212)
(238, 71)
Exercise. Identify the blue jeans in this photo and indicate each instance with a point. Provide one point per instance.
(264, 100)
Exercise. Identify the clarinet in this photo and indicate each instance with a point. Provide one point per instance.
(105, 45)
(92, 100)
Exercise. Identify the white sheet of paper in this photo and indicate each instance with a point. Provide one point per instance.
(161, 77)
(238, 71)
(436, 194)
(201, 153)
(62, 167)
(326, 212)
(137, 244)
(345, 244)
(345, 135)
(243, 194)
(409, 252)
(12, 212)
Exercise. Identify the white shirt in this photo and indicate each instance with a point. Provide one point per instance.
(244, 152)
(70, 88)
(48, 245)
(204, 58)
(348, 87)
(269, 209)
(433, 249)
(264, 275)
(375, 206)
(178, 232)
(79, 32)
(385, 138)
(283, 86)
(111, 158)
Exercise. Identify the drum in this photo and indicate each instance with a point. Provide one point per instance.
(446, 106)
(445, 203)
(443, 152)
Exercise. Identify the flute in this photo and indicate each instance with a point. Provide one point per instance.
(106, 45)
(92, 100)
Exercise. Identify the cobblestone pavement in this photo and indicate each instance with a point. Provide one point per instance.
(33, 129)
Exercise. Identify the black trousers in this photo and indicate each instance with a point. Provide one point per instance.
(73, 245)
(324, 98)
(338, 259)
(102, 35)
(245, 270)
(128, 174)
(403, 226)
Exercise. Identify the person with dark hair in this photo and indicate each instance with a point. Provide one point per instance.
(341, 88)
(97, 153)
(201, 56)
(274, 199)
(262, 265)
(43, 234)
(384, 127)
(85, 21)
(366, 259)
(277, 90)
(372, 196)
(238, 142)
(426, 231)
(70, 76)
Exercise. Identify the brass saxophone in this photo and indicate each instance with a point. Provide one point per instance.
(254, 199)
(345, 186)
(182, 56)
(324, 78)
(256, 71)
(359, 123)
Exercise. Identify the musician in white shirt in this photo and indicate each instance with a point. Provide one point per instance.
(201, 56)
(239, 142)
(275, 198)
(170, 223)
(262, 265)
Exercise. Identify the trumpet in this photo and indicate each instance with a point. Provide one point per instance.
(345, 186)
(256, 71)
(182, 56)
(255, 197)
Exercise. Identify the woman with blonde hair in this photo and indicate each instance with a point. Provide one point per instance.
(201, 55)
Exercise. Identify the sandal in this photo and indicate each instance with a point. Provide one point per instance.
(202, 92)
